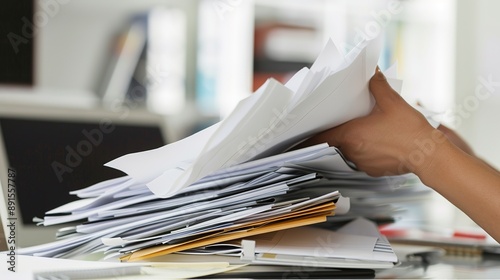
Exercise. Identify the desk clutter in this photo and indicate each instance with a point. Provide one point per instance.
(238, 188)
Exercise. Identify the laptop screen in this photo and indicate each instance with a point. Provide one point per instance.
(52, 158)
(55, 151)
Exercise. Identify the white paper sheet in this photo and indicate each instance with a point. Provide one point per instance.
(268, 122)
(357, 240)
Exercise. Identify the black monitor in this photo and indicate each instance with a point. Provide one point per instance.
(54, 151)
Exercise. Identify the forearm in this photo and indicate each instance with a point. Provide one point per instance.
(467, 182)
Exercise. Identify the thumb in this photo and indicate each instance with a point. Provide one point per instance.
(381, 90)
(338, 134)
(333, 136)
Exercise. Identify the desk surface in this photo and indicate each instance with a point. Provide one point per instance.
(448, 267)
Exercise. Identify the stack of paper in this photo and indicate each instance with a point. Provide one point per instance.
(357, 244)
(124, 218)
(234, 179)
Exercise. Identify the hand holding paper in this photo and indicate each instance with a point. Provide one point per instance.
(375, 133)
(333, 91)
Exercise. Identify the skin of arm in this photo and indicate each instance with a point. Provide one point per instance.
(396, 139)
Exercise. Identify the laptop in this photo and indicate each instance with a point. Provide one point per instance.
(48, 151)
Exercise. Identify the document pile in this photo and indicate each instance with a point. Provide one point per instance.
(237, 179)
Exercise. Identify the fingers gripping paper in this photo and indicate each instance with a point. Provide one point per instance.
(334, 90)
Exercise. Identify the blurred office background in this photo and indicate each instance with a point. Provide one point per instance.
(192, 60)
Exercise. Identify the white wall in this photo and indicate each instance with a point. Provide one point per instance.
(478, 60)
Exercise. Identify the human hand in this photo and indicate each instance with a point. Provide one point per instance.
(393, 139)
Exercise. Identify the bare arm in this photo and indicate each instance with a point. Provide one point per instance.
(395, 139)
(467, 182)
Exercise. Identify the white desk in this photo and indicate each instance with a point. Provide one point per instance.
(447, 268)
